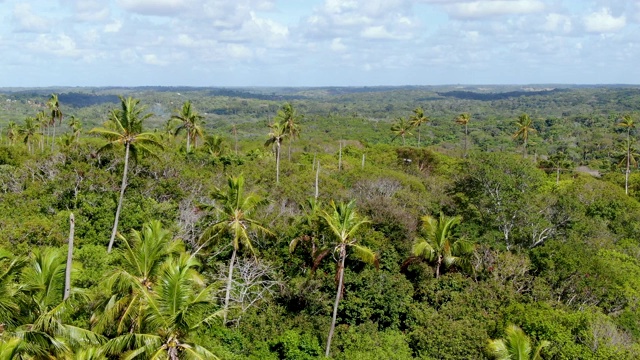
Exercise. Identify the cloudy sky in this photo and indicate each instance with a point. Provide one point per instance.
(318, 42)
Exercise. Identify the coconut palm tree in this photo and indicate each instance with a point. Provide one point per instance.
(289, 117)
(401, 128)
(627, 122)
(525, 127)
(12, 132)
(439, 245)
(515, 346)
(10, 268)
(234, 211)
(76, 126)
(29, 130)
(463, 119)
(124, 127)
(343, 223)
(418, 118)
(176, 307)
(143, 254)
(276, 136)
(189, 122)
(55, 116)
(215, 145)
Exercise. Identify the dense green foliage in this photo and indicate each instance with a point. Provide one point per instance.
(479, 249)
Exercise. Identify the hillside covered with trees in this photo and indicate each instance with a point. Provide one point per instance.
(350, 223)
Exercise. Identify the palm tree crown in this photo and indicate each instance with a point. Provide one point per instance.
(189, 122)
(418, 118)
(525, 127)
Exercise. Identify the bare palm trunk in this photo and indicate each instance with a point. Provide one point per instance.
(402, 139)
(438, 264)
(626, 175)
(229, 282)
(418, 136)
(524, 148)
(290, 141)
(466, 136)
(277, 162)
(53, 139)
(188, 142)
(343, 256)
(122, 188)
(67, 272)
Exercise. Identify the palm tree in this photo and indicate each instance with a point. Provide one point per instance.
(289, 117)
(344, 222)
(175, 308)
(43, 122)
(189, 119)
(418, 118)
(76, 126)
(124, 127)
(29, 131)
(10, 267)
(143, 255)
(524, 128)
(515, 346)
(276, 136)
(56, 115)
(463, 119)
(12, 132)
(401, 128)
(215, 145)
(628, 123)
(234, 212)
(439, 245)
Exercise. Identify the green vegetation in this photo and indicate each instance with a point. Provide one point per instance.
(224, 251)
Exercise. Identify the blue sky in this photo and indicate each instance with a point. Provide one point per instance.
(318, 42)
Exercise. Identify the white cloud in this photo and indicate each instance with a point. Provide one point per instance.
(603, 22)
(154, 7)
(113, 27)
(337, 45)
(28, 21)
(60, 45)
(377, 32)
(557, 23)
(240, 52)
(153, 59)
(490, 8)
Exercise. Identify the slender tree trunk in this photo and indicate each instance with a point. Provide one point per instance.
(122, 188)
(466, 136)
(438, 266)
(289, 157)
(277, 162)
(53, 139)
(402, 139)
(229, 282)
(317, 176)
(363, 156)
(340, 157)
(558, 175)
(67, 272)
(418, 136)
(524, 148)
(626, 175)
(343, 256)
(188, 142)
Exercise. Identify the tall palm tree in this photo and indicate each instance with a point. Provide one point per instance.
(289, 117)
(29, 130)
(463, 119)
(401, 128)
(627, 122)
(418, 118)
(174, 309)
(124, 127)
(234, 211)
(55, 116)
(12, 132)
(344, 222)
(189, 122)
(439, 245)
(43, 122)
(276, 136)
(525, 127)
(515, 346)
(143, 254)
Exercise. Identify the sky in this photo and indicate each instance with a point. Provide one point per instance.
(229, 43)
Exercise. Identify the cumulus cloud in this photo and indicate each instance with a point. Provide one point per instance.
(113, 27)
(27, 20)
(154, 7)
(59, 45)
(153, 59)
(557, 23)
(603, 22)
(489, 8)
(337, 45)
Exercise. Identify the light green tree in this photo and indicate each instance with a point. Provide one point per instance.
(515, 346)
(343, 223)
(124, 128)
(235, 210)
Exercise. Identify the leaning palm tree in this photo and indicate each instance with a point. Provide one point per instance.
(289, 117)
(276, 136)
(124, 127)
(401, 128)
(525, 127)
(463, 119)
(418, 118)
(515, 346)
(174, 309)
(344, 222)
(234, 213)
(439, 246)
(56, 116)
(627, 122)
(189, 122)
